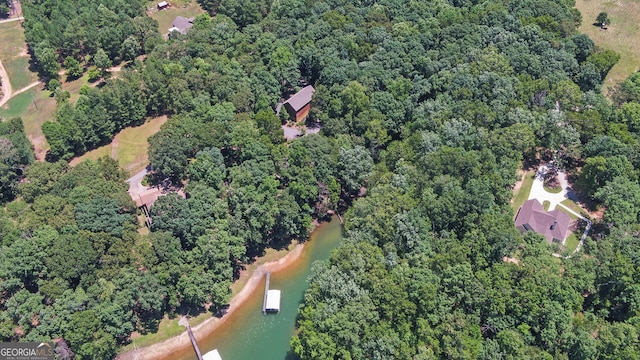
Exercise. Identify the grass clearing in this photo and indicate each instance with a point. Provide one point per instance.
(14, 56)
(34, 106)
(19, 73)
(571, 243)
(129, 146)
(18, 105)
(184, 8)
(621, 35)
(552, 190)
(546, 204)
(523, 192)
(167, 328)
(575, 207)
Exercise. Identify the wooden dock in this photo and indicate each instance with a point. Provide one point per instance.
(266, 291)
(185, 323)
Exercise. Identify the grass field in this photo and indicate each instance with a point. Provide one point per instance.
(551, 190)
(622, 35)
(575, 207)
(184, 8)
(35, 106)
(13, 55)
(571, 243)
(523, 193)
(129, 146)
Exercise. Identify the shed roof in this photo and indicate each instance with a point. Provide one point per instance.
(301, 98)
(273, 300)
(162, 4)
(552, 224)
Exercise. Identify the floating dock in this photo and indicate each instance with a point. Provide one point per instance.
(271, 301)
(212, 355)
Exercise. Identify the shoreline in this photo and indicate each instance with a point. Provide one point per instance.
(166, 347)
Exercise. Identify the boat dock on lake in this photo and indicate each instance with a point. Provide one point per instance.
(271, 301)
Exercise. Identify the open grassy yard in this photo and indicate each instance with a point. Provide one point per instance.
(35, 106)
(571, 243)
(184, 8)
(622, 35)
(14, 56)
(575, 207)
(523, 192)
(129, 146)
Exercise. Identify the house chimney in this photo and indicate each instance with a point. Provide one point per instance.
(555, 223)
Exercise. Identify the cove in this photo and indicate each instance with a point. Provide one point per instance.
(249, 334)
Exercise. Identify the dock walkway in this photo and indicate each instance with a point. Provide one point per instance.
(266, 291)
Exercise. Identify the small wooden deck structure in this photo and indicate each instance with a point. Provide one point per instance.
(185, 323)
(271, 301)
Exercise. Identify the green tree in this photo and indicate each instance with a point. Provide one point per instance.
(74, 70)
(602, 18)
(621, 196)
(102, 61)
(208, 167)
(354, 167)
(47, 61)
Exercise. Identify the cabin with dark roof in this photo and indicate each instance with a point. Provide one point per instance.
(299, 104)
(553, 225)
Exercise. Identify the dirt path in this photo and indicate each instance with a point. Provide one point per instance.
(201, 331)
(10, 20)
(6, 85)
(7, 91)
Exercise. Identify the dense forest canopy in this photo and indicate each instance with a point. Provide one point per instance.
(428, 108)
(77, 30)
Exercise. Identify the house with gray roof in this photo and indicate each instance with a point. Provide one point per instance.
(181, 24)
(299, 104)
(553, 225)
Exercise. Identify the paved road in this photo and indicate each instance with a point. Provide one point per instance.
(538, 191)
(135, 183)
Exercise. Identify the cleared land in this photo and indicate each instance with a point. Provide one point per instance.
(621, 35)
(129, 146)
(14, 56)
(522, 190)
(35, 105)
(184, 8)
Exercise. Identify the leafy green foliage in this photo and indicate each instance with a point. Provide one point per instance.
(15, 155)
(106, 30)
(429, 107)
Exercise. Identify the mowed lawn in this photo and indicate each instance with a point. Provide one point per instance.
(522, 193)
(14, 56)
(622, 35)
(129, 146)
(34, 106)
(184, 8)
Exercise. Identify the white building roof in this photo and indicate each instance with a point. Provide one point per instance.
(273, 300)
(162, 4)
(212, 355)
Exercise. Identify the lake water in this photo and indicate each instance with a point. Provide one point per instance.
(248, 334)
